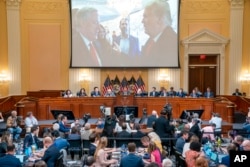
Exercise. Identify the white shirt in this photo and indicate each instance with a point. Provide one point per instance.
(30, 121)
(217, 121)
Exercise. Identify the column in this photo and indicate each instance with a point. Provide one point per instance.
(236, 35)
(14, 46)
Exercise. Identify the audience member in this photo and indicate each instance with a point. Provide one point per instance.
(246, 127)
(186, 146)
(231, 135)
(74, 134)
(93, 143)
(62, 125)
(118, 126)
(152, 118)
(101, 154)
(167, 162)
(89, 161)
(201, 162)
(5, 141)
(181, 141)
(237, 92)
(156, 139)
(209, 93)
(86, 131)
(246, 145)
(162, 126)
(217, 120)
(9, 159)
(100, 123)
(131, 160)
(12, 126)
(163, 93)
(193, 154)
(31, 138)
(59, 142)
(238, 140)
(40, 164)
(154, 152)
(208, 133)
(152, 164)
(30, 121)
(138, 133)
(95, 92)
(195, 129)
(226, 160)
(124, 133)
(58, 118)
(76, 124)
(82, 93)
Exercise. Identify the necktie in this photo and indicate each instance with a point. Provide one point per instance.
(148, 46)
(93, 54)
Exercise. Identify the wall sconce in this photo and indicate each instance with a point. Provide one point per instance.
(245, 78)
(84, 77)
(4, 77)
(163, 78)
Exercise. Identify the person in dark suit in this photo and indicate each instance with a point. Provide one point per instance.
(162, 45)
(128, 44)
(9, 159)
(124, 133)
(131, 160)
(194, 94)
(237, 92)
(62, 125)
(209, 93)
(154, 93)
(93, 143)
(59, 142)
(31, 138)
(52, 152)
(84, 52)
(162, 126)
(81, 93)
(151, 119)
(171, 92)
(95, 92)
(195, 129)
(181, 93)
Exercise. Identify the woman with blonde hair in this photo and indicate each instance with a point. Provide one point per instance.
(101, 155)
(156, 139)
(155, 154)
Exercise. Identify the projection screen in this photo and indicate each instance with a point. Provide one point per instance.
(124, 33)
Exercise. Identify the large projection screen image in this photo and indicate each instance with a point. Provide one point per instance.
(124, 33)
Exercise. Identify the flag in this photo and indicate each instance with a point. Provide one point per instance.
(107, 85)
(132, 84)
(116, 81)
(140, 84)
(124, 83)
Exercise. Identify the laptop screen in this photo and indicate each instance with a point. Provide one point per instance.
(213, 156)
(20, 157)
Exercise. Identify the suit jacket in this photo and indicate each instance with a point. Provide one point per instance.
(63, 128)
(151, 119)
(195, 129)
(61, 143)
(162, 127)
(51, 155)
(210, 95)
(30, 140)
(131, 160)
(172, 93)
(181, 94)
(237, 94)
(10, 161)
(134, 49)
(123, 134)
(164, 52)
(92, 149)
(95, 94)
(152, 94)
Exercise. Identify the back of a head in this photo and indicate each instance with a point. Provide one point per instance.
(10, 147)
(40, 163)
(92, 137)
(195, 146)
(87, 126)
(47, 140)
(131, 147)
(90, 160)
(201, 162)
(167, 162)
(231, 147)
(161, 9)
(55, 133)
(152, 164)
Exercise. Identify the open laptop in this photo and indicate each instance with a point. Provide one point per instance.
(22, 158)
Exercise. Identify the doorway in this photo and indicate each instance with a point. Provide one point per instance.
(202, 72)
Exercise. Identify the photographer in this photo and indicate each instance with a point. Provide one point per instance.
(246, 126)
(217, 120)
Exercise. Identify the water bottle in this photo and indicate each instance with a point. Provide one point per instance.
(219, 142)
(114, 143)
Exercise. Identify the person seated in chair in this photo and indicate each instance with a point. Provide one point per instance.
(124, 133)
(62, 125)
(59, 142)
(181, 93)
(95, 92)
(237, 92)
(154, 93)
(31, 138)
(125, 91)
(209, 93)
(9, 159)
(12, 126)
(68, 93)
(151, 119)
(171, 92)
(109, 93)
(82, 93)
(30, 121)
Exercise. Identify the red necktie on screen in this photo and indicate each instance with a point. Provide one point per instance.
(148, 46)
(93, 54)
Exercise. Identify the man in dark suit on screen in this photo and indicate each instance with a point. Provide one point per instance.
(128, 44)
(162, 45)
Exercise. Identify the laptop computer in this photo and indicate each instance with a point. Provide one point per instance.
(22, 158)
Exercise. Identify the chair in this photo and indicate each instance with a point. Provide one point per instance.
(64, 152)
(85, 146)
(182, 161)
(59, 161)
(177, 158)
(75, 146)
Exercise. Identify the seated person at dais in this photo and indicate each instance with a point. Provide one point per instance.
(109, 93)
(209, 93)
(95, 92)
(81, 93)
(125, 91)
(68, 93)
(171, 92)
(154, 93)
(181, 93)
(237, 92)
